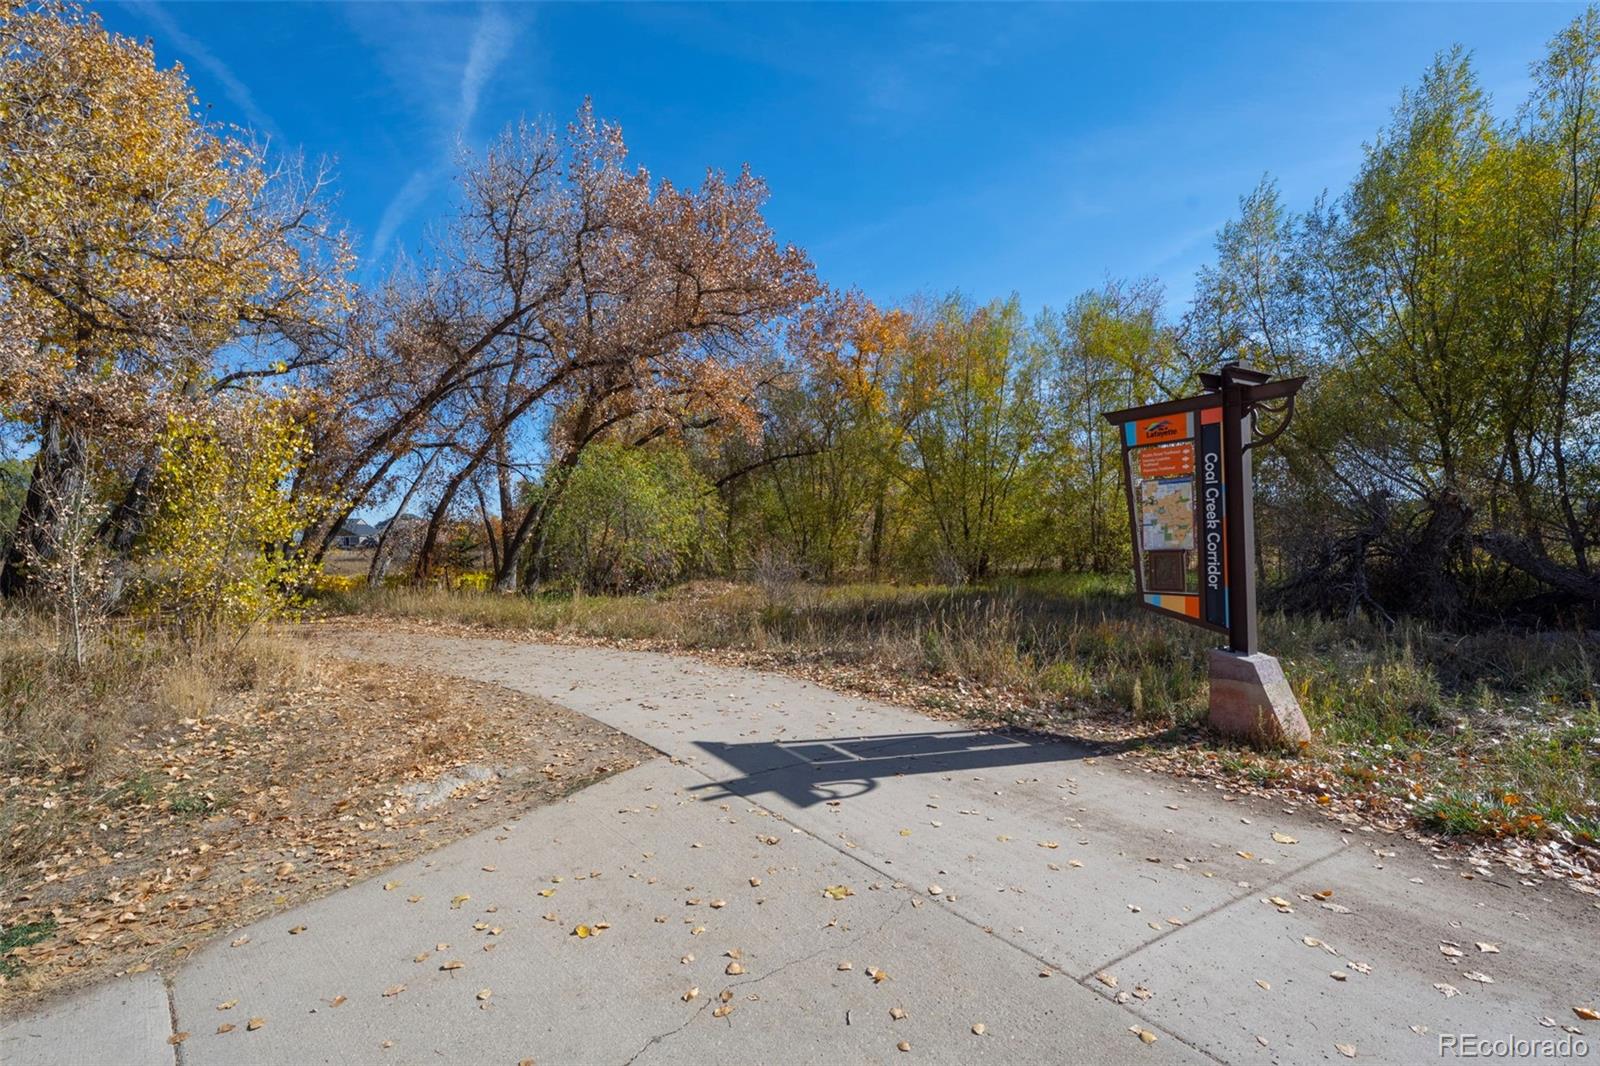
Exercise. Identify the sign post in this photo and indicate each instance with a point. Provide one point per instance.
(1186, 466)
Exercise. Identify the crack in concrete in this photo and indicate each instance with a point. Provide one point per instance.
(661, 1038)
(1218, 909)
(172, 1020)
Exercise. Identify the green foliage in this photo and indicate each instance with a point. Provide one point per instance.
(24, 935)
(219, 556)
(631, 519)
(14, 475)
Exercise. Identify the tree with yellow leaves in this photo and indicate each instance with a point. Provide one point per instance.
(219, 556)
(136, 242)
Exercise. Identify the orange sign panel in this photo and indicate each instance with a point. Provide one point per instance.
(1172, 460)
(1163, 428)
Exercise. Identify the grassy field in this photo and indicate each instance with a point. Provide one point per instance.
(1492, 733)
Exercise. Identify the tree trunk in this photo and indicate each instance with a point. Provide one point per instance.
(61, 456)
(380, 555)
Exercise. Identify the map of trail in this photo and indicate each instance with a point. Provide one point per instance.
(1166, 514)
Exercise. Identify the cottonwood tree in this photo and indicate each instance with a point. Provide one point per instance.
(572, 283)
(814, 495)
(967, 390)
(1106, 349)
(137, 243)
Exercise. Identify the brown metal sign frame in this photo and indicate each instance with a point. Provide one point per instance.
(1217, 426)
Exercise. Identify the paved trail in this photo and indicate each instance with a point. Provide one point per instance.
(978, 864)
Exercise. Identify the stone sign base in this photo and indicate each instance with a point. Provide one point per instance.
(1251, 699)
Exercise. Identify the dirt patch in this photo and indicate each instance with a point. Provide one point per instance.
(272, 799)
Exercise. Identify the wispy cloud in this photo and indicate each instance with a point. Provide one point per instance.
(491, 43)
(492, 38)
(401, 207)
(236, 90)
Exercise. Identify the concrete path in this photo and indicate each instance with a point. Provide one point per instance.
(1074, 908)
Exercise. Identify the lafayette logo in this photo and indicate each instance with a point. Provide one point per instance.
(1159, 429)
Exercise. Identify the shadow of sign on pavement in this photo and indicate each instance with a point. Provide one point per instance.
(826, 769)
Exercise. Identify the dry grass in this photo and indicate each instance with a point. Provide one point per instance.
(135, 679)
(162, 793)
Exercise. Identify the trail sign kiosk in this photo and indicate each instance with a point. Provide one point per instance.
(1186, 466)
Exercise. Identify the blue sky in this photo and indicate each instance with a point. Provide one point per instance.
(1027, 148)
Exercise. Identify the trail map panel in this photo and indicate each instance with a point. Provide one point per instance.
(1166, 514)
